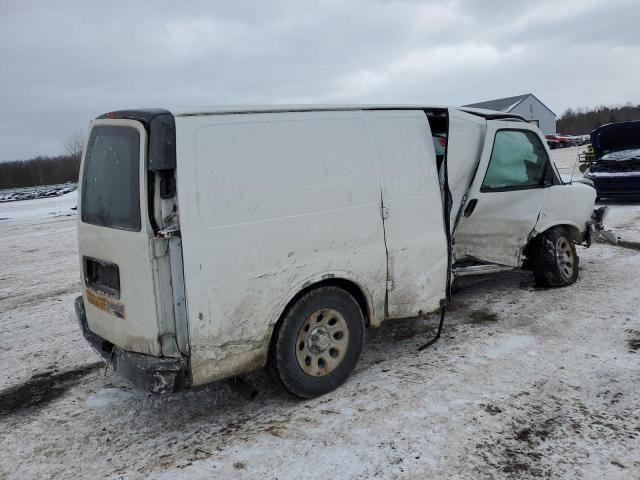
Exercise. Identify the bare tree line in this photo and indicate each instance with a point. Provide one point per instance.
(583, 120)
(44, 170)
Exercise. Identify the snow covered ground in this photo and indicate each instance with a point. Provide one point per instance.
(566, 159)
(63, 205)
(42, 191)
(525, 382)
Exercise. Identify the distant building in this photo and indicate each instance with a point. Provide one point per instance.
(526, 105)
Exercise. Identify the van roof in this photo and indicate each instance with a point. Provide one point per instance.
(231, 109)
(244, 109)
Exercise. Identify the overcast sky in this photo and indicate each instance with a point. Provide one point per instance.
(64, 63)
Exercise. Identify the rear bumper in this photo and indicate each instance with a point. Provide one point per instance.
(152, 374)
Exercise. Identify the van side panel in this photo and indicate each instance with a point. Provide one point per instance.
(414, 225)
(271, 203)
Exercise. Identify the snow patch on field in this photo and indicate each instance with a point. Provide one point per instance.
(508, 344)
(63, 205)
(110, 397)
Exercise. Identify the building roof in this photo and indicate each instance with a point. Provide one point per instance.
(500, 104)
(506, 104)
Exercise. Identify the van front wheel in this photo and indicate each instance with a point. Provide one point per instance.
(555, 261)
(318, 342)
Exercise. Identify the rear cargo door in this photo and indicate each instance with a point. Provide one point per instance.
(506, 195)
(115, 237)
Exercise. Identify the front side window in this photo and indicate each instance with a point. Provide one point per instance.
(110, 182)
(518, 161)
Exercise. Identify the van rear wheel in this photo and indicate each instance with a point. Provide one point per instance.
(555, 261)
(318, 342)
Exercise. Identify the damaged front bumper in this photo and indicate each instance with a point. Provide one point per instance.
(595, 227)
(153, 374)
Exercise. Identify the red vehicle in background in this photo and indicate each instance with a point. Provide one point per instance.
(558, 141)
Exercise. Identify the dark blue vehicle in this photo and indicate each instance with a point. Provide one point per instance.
(616, 168)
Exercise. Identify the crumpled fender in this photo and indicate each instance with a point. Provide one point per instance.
(570, 205)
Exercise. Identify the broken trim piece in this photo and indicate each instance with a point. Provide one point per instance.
(437, 337)
(153, 374)
(595, 228)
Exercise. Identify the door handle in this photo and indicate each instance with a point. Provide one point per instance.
(470, 208)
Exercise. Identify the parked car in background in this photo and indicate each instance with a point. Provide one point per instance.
(565, 140)
(552, 141)
(575, 140)
(558, 141)
(615, 171)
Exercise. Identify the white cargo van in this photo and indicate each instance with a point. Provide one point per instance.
(217, 241)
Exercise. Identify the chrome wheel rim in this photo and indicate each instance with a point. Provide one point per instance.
(322, 341)
(565, 257)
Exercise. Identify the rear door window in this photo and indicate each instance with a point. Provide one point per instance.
(111, 178)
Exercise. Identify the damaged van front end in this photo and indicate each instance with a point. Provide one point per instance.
(132, 310)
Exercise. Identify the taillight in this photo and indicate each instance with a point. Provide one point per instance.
(102, 277)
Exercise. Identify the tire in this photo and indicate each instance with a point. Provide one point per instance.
(554, 258)
(318, 343)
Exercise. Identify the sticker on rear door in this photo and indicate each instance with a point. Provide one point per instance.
(105, 304)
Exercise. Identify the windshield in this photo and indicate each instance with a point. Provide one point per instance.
(110, 182)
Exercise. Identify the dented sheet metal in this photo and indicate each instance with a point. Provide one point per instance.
(498, 223)
(257, 233)
(569, 205)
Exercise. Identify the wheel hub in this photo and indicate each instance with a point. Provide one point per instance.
(322, 342)
(319, 340)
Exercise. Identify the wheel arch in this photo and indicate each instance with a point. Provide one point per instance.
(354, 289)
(550, 268)
(574, 230)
